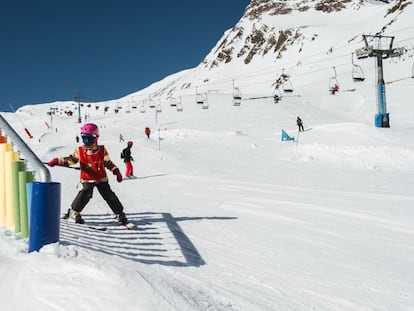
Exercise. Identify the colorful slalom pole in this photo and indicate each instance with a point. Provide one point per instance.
(11, 156)
(16, 167)
(24, 178)
(3, 148)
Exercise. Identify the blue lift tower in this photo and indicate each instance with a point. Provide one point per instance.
(380, 47)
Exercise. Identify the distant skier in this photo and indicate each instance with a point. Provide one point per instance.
(121, 138)
(335, 89)
(126, 155)
(147, 132)
(300, 124)
(93, 160)
(77, 138)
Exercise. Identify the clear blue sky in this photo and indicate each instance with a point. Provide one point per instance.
(52, 49)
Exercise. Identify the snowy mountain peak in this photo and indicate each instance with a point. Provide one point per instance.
(269, 28)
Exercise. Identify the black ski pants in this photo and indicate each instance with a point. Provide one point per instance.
(83, 197)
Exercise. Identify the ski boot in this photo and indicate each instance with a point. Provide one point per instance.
(76, 217)
(122, 219)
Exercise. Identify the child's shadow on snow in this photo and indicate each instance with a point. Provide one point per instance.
(158, 238)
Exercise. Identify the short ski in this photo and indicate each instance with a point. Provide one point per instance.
(99, 228)
(129, 226)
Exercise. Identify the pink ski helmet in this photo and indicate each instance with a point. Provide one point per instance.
(91, 129)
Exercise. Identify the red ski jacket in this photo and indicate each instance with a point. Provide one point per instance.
(93, 161)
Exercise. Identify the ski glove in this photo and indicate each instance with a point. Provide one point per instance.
(53, 162)
(118, 174)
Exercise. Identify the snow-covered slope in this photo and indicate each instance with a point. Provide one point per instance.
(230, 217)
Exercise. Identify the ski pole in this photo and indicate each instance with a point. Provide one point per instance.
(71, 167)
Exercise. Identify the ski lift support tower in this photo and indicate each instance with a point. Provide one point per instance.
(380, 47)
(78, 97)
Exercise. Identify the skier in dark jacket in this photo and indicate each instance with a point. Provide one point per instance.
(300, 124)
(126, 155)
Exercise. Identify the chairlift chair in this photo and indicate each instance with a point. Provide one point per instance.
(363, 52)
(179, 107)
(159, 108)
(173, 102)
(333, 83)
(412, 72)
(200, 98)
(287, 85)
(357, 73)
(237, 97)
(277, 96)
(151, 103)
(142, 109)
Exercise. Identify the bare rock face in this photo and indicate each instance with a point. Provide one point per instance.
(258, 34)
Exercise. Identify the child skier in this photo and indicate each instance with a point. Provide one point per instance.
(126, 155)
(93, 160)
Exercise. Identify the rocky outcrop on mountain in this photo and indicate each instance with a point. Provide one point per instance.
(254, 37)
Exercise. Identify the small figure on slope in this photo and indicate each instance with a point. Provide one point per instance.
(335, 89)
(147, 132)
(126, 155)
(93, 160)
(300, 124)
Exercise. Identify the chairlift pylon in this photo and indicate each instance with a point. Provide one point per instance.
(357, 73)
